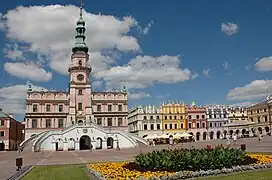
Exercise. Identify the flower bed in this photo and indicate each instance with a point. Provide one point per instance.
(130, 170)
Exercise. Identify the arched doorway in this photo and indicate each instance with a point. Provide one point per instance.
(98, 143)
(198, 136)
(266, 129)
(260, 130)
(231, 132)
(243, 131)
(218, 134)
(71, 144)
(59, 145)
(109, 142)
(85, 143)
(237, 131)
(2, 146)
(191, 136)
(80, 121)
(211, 135)
(204, 135)
(225, 134)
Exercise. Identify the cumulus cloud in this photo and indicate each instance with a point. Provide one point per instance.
(225, 65)
(138, 95)
(48, 30)
(229, 28)
(12, 98)
(255, 90)
(27, 71)
(147, 28)
(264, 64)
(143, 71)
(206, 72)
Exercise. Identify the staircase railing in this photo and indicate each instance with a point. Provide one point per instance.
(137, 138)
(29, 140)
(36, 145)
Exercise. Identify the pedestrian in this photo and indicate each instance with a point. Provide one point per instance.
(228, 139)
(235, 138)
(260, 137)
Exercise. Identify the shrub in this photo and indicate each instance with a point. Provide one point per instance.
(192, 159)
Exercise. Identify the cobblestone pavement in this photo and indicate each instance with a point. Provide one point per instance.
(7, 159)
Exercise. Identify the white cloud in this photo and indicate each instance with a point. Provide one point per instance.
(144, 71)
(247, 67)
(12, 98)
(229, 28)
(27, 71)
(49, 31)
(264, 64)
(147, 28)
(138, 95)
(255, 90)
(206, 72)
(226, 65)
(97, 84)
(243, 104)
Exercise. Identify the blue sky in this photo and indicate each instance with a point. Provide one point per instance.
(190, 55)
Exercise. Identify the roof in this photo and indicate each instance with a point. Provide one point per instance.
(3, 114)
(239, 123)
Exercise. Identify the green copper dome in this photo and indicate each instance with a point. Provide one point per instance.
(80, 44)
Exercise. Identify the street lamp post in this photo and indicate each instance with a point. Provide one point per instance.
(269, 118)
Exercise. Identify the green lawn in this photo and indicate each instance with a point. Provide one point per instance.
(69, 172)
(252, 175)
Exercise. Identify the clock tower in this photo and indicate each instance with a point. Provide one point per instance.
(80, 94)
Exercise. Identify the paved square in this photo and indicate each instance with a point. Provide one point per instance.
(8, 168)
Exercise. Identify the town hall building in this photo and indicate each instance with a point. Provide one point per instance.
(80, 118)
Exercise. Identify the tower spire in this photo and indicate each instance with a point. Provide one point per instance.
(80, 44)
(81, 7)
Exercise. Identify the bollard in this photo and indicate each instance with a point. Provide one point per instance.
(243, 147)
(19, 163)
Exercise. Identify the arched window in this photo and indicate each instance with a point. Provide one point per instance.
(80, 62)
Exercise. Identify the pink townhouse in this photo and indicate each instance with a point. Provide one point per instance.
(11, 132)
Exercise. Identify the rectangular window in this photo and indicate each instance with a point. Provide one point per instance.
(99, 121)
(265, 118)
(109, 121)
(80, 92)
(99, 108)
(181, 126)
(190, 117)
(48, 123)
(158, 117)
(2, 123)
(181, 117)
(158, 126)
(120, 121)
(109, 107)
(48, 107)
(151, 126)
(197, 125)
(190, 125)
(144, 117)
(2, 133)
(171, 126)
(79, 107)
(170, 118)
(165, 126)
(145, 126)
(176, 126)
(151, 117)
(120, 107)
(34, 123)
(60, 123)
(60, 108)
(210, 124)
(165, 117)
(175, 117)
(203, 125)
(197, 116)
(35, 108)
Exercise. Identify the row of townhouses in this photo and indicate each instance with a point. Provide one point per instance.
(204, 122)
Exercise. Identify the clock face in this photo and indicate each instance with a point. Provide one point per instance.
(80, 77)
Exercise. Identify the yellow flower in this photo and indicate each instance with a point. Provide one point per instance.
(117, 170)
